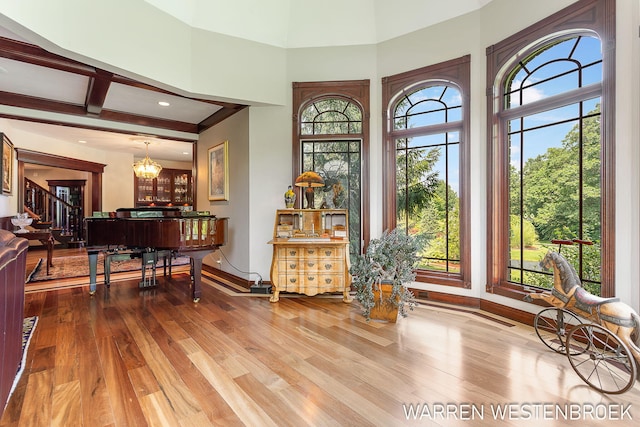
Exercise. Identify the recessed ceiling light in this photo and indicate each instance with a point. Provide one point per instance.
(185, 152)
(163, 103)
(82, 141)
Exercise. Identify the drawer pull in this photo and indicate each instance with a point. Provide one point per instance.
(311, 264)
(327, 253)
(292, 253)
(312, 251)
(293, 280)
(292, 266)
(327, 281)
(311, 278)
(328, 266)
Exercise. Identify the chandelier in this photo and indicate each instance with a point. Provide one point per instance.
(146, 168)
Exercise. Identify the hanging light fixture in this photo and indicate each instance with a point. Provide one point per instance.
(146, 168)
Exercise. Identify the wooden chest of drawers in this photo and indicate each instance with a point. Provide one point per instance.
(310, 265)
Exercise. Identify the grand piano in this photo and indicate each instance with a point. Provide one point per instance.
(149, 229)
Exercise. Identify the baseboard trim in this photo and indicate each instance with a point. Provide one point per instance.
(489, 306)
(421, 294)
(239, 281)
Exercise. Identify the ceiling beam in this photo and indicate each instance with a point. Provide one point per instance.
(33, 103)
(218, 117)
(97, 92)
(31, 54)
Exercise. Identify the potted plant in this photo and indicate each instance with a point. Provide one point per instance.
(381, 274)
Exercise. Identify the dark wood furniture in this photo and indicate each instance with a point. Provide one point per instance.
(46, 238)
(193, 234)
(13, 258)
(173, 187)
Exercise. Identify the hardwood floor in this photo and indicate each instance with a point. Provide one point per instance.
(130, 357)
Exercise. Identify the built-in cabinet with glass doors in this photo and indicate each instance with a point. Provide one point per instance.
(173, 187)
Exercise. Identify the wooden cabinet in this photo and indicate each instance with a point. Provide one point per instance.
(310, 252)
(173, 187)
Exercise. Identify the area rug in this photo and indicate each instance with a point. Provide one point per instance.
(28, 326)
(78, 266)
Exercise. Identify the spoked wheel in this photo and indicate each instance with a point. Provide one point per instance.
(553, 325)
(601, 359)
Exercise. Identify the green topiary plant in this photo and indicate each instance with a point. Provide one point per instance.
(389, 259)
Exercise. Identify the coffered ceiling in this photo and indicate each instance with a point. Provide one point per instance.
(47, 94)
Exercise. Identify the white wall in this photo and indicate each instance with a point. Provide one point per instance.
(234, 130)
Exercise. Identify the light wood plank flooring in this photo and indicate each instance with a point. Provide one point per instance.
(127, 357)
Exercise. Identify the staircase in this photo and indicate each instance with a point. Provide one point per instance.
(65, 220)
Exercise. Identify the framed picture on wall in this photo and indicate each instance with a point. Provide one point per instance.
(219, 172)
(6, 168)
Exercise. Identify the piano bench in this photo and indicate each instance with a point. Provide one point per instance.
(149, 260)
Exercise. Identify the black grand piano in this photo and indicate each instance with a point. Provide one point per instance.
(148, 229)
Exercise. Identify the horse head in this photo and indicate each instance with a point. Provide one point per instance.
(564, 273)
(548, 260)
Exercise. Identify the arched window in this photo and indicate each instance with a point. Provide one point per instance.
(550, 165)
(331, 138)
(426, 165)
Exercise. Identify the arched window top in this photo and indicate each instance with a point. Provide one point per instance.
(331, 116)
(554, 69)
(427, 106)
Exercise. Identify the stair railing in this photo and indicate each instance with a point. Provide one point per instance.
(63, 216)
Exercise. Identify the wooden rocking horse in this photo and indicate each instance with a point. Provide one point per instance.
(568, 293)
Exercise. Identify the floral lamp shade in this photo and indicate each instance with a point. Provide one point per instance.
(309, 179)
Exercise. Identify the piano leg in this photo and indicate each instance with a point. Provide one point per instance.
(93, 269)
(196, 257)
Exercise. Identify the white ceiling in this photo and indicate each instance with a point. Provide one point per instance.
(285, 23)
(315, 23)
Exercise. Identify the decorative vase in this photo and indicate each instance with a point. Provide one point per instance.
(384, 309)
(289, 198)
(21, 220)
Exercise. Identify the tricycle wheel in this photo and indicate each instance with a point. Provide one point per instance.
(601, 359)
(553, 325)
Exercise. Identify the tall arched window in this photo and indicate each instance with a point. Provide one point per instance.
(426, 166)
(331, 138)
(551, 167)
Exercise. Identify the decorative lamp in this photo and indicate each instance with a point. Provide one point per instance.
(309, 179)
(146, 168)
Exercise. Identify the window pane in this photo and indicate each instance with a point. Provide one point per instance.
(427, 140)
(555, 191)
(428, 106)
(554, 69)
(306, 129)
(353, 112)
(428, 176)
(333, 104)
(338, 162)
(433, 92)
(552, 116)
(592, 74)
(425, 114)
(330, 117)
